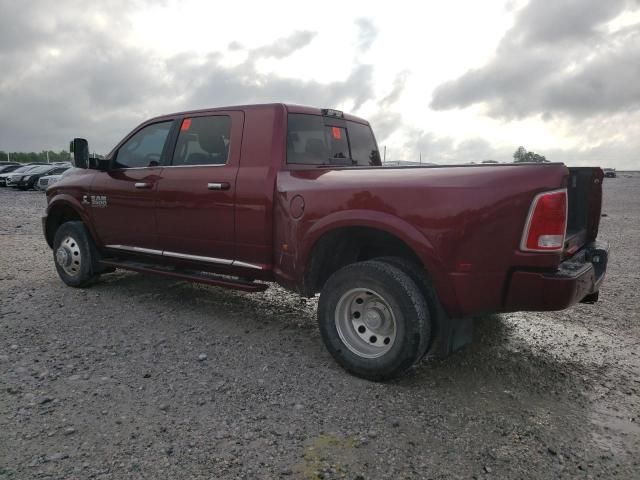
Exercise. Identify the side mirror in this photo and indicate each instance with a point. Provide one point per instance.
(99, 163)
(80, 149)
(103, 164)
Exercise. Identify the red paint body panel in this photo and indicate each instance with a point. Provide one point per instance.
(130, 215)
(448, 216)
(191, 218)
(464, 223)
(262, 157)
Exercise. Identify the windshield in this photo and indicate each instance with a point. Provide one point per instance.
(316, 140)
(40, 169)
(26, 168)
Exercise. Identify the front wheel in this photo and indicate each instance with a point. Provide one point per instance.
(373, 319)
(74, 254)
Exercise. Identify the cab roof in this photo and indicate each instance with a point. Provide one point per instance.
(289, 107)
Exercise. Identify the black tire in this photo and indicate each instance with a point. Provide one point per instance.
(421, 279)
(76, 265)
(378, 283)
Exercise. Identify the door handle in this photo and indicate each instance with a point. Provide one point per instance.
(218, 186)
(142, 185)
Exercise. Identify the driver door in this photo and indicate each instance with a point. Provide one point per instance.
(123, 200)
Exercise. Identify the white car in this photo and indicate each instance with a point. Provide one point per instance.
(44, 182)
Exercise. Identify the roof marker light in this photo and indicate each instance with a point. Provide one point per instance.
(330, 112)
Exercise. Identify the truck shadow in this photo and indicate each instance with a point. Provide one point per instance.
(501, 358)
(498, 359)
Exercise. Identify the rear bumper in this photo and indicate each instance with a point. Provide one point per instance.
(577, 279)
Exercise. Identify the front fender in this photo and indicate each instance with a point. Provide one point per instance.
(64, 201)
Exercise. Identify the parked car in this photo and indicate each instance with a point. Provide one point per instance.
(46, 180)
(21, 169)
(9, 167)
(29, 180)
(239, 196)
(610, 173)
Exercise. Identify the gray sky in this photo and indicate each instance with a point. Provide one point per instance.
(464, 81)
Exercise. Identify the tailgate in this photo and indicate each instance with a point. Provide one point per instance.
(585, 202)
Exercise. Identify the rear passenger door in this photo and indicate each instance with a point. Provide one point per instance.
(196, 194)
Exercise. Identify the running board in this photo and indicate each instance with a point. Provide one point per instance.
(198, 277)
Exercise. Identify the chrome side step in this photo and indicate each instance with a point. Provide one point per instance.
(191, 276)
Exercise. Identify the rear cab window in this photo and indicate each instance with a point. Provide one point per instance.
(320, 140)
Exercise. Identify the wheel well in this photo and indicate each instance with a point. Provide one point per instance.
(343, 246)
(56, 217)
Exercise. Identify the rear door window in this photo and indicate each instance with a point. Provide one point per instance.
(312, 141)
(203, 141)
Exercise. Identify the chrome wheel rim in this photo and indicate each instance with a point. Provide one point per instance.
(365, 323)
(68, 256)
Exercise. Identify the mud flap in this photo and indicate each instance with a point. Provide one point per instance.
(452, 335)
(591, 298)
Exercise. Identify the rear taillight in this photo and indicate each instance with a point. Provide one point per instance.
(546, 225)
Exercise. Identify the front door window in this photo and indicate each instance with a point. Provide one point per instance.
(144, 148)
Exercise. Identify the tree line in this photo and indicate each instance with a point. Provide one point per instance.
(30, 157)
(521, 155)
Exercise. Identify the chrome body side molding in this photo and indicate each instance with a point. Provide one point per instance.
(238, 263)
(186, 256)
(197, 258)
(148, 251)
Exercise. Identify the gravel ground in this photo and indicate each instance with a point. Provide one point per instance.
(143, 377)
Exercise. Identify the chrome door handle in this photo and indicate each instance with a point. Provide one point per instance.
(142, 185)
(218, 186)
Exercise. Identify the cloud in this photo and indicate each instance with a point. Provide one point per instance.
(559, 59)
(544, 22)
(77, 71)
(394, 95)
(367, 34)
(70, 72)
(285, 46)
(443, 150)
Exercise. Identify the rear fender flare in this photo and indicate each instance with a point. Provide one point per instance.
(391, 224)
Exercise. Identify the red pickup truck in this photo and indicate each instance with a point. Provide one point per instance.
(240, 196)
